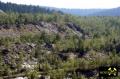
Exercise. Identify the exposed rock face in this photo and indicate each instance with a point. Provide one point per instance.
(65, 56)
(77, 30)
(16, 30)
(75, 27)
(26, 47)
(47, 27)
(93, 56)
(6, 57)
(55, 28)
(18, 53)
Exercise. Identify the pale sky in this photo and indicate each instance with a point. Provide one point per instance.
(80, 4)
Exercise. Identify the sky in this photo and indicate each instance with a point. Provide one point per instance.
(79, 4)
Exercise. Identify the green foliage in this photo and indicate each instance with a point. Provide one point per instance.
(100, 49)
(6, 71)
(57, 74)
(32, 74)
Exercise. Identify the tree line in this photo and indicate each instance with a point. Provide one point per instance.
(12, 7)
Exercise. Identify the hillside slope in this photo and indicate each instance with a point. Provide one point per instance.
(109, 12)
(38, 46)
(81, 12)
(92, 12)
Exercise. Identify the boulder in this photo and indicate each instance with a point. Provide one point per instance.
(27, 66)
(45, 77)
(65, 56)
(49, 46)
(21, 78)
(5, 51)
(32, 45)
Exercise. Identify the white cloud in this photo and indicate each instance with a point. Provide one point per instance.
(70, 3)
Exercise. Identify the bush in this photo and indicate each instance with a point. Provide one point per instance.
(32, 74)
